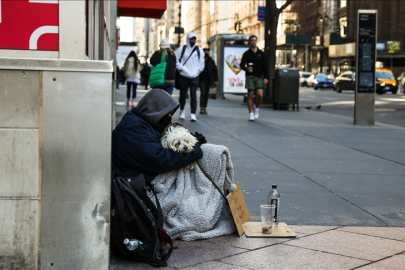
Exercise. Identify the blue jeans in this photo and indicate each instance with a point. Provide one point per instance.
(168, 87)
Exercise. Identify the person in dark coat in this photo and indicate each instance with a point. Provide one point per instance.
(136, 146)
(208, 77)
(145, 74)
(170, 59)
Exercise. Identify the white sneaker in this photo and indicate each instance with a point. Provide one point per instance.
(256, 113)
(182, 114)
(251, 117)
(193, 118)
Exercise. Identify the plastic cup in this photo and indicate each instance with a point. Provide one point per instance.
(267, 215)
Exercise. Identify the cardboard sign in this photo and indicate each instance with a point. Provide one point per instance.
(239, 209)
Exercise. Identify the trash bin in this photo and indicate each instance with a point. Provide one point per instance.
(286, 88)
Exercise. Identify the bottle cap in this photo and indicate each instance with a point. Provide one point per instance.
(126, 241)
(273, 186)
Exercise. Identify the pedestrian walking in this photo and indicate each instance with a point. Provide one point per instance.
(401, 83)
(190, 63)
(208, 77)
(132, 73)
(170, 59)
(145, 73)
(254, 64)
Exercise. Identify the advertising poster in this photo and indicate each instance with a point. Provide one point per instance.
(394, 46)
(234, 76)
(29, 25)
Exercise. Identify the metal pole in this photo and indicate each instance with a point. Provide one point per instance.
(291, 58)
(178, 39)
(322, 41)
(267, 91)
(296, 42)
(306, 57)
(285, 55)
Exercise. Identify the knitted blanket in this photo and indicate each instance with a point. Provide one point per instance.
(192, 207)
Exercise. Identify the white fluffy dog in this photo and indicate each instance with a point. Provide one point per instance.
(178, 138)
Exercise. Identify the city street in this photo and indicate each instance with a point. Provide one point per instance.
(389, 108)
(315, 157)
(341, 186)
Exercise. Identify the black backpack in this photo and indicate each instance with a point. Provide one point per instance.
(135, 216)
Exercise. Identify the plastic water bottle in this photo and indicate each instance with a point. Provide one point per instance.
(274, 199)
(132, 244)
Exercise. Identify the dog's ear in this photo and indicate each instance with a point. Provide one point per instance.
(175, 145)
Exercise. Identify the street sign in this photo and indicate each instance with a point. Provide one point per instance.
(179, 30)
(365, 67)
(366, 52)
(261, 14)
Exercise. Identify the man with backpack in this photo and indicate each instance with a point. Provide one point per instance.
(190, 63)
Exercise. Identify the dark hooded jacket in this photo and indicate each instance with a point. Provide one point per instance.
(136, 146)
(210, 72)
(170, 59)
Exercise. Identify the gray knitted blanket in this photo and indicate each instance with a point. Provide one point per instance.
(192, 207)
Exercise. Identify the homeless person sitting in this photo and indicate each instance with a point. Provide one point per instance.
(136, 146)
(192, 206)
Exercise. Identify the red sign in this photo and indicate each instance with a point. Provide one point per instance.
(29, 25)
(141, 9)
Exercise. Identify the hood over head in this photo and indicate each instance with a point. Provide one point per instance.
(190, 35)
(156, 104)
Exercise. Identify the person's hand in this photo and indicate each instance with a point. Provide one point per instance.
(215, 83)
(250, 69)
(265, 81)
(200, 138)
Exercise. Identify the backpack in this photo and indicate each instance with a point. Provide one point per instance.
(135, 216)
(196, 48)
(177, 77)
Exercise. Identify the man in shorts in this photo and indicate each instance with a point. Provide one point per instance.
(254, 64)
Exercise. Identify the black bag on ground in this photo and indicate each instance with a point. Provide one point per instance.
(135, 216)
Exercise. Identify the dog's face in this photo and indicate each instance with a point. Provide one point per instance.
(178, 138)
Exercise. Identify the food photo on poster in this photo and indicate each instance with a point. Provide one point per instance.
(234, 76)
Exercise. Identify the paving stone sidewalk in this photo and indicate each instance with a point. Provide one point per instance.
(342, 190)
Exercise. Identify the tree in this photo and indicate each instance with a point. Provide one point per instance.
(272, 16)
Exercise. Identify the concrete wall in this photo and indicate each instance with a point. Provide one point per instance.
(55, 144)
(20, 106)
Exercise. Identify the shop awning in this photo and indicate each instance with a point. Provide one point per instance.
(141, 8)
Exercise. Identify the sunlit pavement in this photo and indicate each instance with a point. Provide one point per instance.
(389, 108)
(342, 187)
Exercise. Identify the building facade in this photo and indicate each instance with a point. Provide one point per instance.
(390, 30)
(57, 110)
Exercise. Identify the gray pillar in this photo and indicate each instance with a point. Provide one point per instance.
(306, 58)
